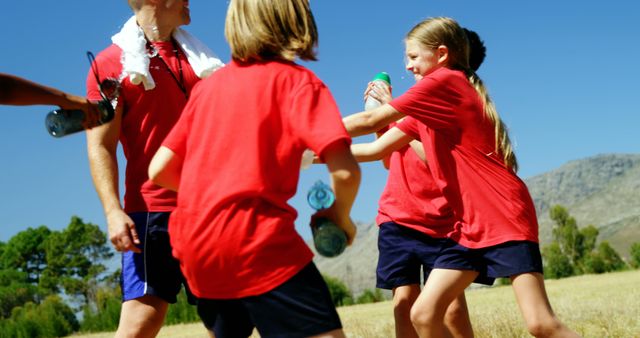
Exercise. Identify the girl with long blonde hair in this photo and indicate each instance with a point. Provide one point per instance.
(470, 156)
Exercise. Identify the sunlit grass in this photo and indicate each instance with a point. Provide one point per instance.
(595, 306)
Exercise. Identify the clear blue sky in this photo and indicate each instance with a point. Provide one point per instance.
(564, 76)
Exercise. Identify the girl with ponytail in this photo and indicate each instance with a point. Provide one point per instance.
(469, 154)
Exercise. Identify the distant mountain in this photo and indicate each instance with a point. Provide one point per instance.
(602, 190)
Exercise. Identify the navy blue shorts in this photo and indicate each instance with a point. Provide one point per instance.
(502, 260)
(403, 252)
(154, 271)
(300, 307)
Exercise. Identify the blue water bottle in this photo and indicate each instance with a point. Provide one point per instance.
(328, 239)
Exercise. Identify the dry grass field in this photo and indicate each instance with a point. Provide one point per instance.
(595, 306)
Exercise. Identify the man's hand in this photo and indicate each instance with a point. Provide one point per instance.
(122, 232)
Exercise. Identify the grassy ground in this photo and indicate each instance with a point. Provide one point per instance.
(594, 306)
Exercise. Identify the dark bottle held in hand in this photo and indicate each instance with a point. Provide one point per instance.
(328, 239)
(61, 122)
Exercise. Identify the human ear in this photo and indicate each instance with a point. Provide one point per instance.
(442, 52)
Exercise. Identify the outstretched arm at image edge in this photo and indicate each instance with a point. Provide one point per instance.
(389, 142)
(165, 169)
(21, 92)
(371, 121)
(345, 181)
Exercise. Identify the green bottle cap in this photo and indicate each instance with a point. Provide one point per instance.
(383, 76)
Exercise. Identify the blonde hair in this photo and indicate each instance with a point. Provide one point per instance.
(135, 4)
(442, 31)
(268, 29)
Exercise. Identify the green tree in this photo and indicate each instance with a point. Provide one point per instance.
(39, 262)
(14, 291)
(589, 236)
(3, 245)
(75, 259)
(370, 296)
(605, 259)
(26, 252)
(635, 255)
(577, 245)
(557, 264)
(103, 313)
(51, 318)
(340, 293)
(566, 233)
(594, 263)
(611, 258)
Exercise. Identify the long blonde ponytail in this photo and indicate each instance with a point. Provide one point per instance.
(503, 142)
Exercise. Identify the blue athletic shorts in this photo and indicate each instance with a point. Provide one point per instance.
(300, 307)
(154, 271)
(403, 252)
(502, 260)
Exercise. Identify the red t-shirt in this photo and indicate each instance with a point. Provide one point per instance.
(492, 205)
(148, 117)
(241, 137)
(411, 197)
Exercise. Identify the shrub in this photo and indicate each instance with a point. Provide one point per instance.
(340, 293)
(182, 311)
(105, 313)
(635, 255)
(52, 318)
(370, 296)
(557, 264)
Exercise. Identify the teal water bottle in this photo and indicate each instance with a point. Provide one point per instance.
(328, 239)
(62, 122)
(381, 79)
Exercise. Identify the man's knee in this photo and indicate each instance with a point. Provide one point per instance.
(142, 317)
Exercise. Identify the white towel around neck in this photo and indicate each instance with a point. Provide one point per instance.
(135, 57)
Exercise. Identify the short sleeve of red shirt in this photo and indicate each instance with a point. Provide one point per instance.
(432, 100)
(321, 124)
(107, 65)
(93, 93)
(409, 126)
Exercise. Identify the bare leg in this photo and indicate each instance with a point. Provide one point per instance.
(331, 334)
(403, 298)
(535, 307)
(142, 317)
(457, 319)
(442, 287)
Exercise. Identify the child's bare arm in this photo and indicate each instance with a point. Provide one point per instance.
(417, 147)
(389, 142)
(18, 91)
(345, 181)
(165, 169)
(370, 121)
